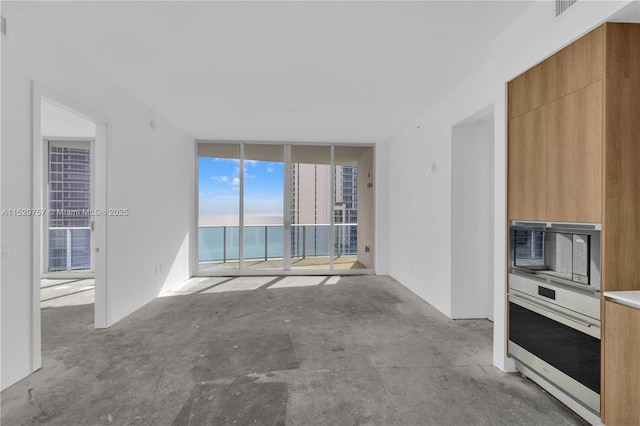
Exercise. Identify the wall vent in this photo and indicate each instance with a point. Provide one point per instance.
(3, 25)
(563, 5)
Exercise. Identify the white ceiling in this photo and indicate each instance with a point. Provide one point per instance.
(307, 71)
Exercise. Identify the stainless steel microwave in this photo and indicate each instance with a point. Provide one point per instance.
(560, 253)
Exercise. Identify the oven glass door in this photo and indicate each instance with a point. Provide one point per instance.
(574, 353)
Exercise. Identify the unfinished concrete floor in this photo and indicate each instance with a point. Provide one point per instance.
(351, 351)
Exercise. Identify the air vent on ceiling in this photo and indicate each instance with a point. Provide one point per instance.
(3, 25)
(563, 5)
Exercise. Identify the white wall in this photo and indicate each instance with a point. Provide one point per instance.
(365, 209)
(59, 122)
(382, 219)
(472, 221)
(420, 202)
(149, 172)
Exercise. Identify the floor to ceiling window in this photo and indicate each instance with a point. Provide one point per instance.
(353, 207)
(263, 193)
(219, 207)
(310, 202)
(280, 208)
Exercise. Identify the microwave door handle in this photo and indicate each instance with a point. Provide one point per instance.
(539, 305)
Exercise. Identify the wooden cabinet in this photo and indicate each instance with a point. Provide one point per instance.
(555, 159)
(577, 88)
(556, 135)
(574, 144)
(580, 64)
(621, 224)
(572, 68)
(621, 342)
(574, 156)
(533, 89)
(527, 172)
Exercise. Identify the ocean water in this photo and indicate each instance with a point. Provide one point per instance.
(232, 219)
(218, 243)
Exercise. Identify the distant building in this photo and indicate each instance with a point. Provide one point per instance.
(311, 204)
(69, 207)
(346, 209)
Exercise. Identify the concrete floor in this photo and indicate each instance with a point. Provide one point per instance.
(55, 293)
(263, 351)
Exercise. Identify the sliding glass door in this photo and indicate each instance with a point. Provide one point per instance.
(218, 207)
(263, 207)
(310, 201)
(278, 208)
(353, 207)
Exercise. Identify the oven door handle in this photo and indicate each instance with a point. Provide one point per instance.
(539, 305)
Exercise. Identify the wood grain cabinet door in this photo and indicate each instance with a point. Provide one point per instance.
(534, 88)
(574, 157)
(527, 151)
(622, 365)
(580, 64)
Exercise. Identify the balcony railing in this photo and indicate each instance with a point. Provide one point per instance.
(221, 243)
(69, 248)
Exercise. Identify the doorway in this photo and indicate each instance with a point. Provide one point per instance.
(472, 216)
(69, 186)
(68, 278)
(69, 237)
(56, 118)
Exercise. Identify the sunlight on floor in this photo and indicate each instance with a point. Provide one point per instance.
(207, 285)
(66, 292)
(241, 284)
(287, 282)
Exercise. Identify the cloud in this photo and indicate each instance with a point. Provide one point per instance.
(220, 178)
(235, 181)
(251, 162)
(235, 160)
(270, 169)
(236, 174)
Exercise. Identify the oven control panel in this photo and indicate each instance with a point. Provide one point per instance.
(578, 302)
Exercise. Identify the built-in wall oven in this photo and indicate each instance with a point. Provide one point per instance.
(554, 316)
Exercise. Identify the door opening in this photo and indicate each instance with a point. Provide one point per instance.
(69, 148)
(472, 216)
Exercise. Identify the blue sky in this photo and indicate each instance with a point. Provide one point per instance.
(219, 184)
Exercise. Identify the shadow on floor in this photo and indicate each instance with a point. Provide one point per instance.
(66, 292)
(364, 351)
